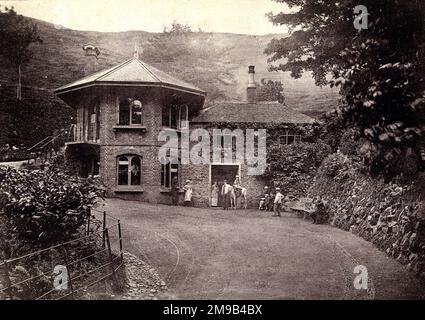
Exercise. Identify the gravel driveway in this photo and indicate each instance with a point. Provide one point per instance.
(247, 254)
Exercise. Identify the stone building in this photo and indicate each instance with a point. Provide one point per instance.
(122, 111)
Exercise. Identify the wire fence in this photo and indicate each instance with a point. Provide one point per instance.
(64, 270)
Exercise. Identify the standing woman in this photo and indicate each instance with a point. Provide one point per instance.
(187, 193)
(214, 195)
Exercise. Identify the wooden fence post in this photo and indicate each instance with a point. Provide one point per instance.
(103, 228)
(120, 238)
(88, 221)
(68, 272)
(111, 261)
(8, 282)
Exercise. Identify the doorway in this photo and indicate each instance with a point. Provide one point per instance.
(221, 172)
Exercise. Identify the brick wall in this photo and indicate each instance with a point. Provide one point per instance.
(199, 174)
(135, 142)
(115, 142)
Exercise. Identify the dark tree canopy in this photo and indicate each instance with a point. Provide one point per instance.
(380, 70)
(16, 36)
(270, 91)
(189, 55)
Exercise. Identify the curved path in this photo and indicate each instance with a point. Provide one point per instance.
(247, 254)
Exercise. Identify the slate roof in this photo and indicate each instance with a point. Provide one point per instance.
(243, 112)
(131, 72)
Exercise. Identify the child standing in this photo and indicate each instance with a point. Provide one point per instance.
(261, 206)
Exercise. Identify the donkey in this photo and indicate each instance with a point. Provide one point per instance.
(232, 196)
(240, 194)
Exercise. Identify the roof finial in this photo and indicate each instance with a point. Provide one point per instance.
(136, 51)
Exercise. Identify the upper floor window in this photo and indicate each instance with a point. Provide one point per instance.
(289, 138)
(183, 117)
(94, 120)
(130, 112)
(129, 168)
(175, 116)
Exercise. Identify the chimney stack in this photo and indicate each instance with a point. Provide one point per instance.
(136, 51)
(251, 90)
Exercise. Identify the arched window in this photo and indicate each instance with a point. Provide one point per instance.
(129, 170)
(130, 112)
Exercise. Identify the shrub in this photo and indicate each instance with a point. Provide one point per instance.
(293, 167)
(336, 166)
(46, 207)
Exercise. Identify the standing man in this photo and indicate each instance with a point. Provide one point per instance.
(277, 203)
(225, 189)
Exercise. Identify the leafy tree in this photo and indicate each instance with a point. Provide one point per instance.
(178, 29)
(379, 69)
(168, 46)
(38, 115)
(16, 36)
(190, 56)
(270, 91)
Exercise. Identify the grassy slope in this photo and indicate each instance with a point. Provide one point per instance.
(60, 60)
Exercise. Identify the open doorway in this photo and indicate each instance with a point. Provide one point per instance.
(219, 173)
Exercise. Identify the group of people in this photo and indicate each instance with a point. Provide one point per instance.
(272, 201)
(229, 194)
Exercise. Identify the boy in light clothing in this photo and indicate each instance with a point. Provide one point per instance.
(277, 203)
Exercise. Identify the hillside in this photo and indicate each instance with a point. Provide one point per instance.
(60, 59)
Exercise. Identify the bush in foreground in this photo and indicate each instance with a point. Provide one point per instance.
(46, 207)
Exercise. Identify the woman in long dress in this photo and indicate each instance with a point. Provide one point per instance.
(214, 195)
(187, 193)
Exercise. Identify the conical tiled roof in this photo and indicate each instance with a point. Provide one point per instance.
(130, 72)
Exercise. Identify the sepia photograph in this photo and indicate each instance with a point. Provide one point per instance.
(212, 155)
